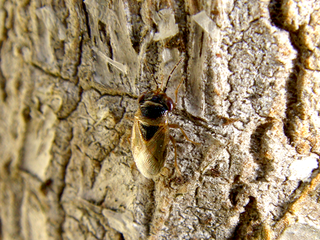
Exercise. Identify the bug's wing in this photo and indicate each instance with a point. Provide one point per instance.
(149, 155)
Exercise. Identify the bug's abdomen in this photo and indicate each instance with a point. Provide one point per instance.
(149, 148)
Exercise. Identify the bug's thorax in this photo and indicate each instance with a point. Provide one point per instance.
(154, 107)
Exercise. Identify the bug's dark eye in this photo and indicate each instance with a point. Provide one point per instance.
(170, 104)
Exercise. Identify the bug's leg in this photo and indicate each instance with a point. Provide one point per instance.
(176, 91)
(175, 155)
(129, 139)
(129, 118)
(129, 136)
(182, 131)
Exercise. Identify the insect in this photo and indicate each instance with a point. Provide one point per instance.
(150, 131)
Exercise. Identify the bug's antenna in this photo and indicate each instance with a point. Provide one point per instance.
(152, 74)
(174, 68)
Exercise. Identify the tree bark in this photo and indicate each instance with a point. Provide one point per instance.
(70, 76)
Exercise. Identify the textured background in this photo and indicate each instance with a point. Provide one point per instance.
(70, 75)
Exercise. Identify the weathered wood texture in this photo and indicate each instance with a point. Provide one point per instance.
(70, 75)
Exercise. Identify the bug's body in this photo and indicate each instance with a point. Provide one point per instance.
(150, 132)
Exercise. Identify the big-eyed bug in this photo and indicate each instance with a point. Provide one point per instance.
(150, 131)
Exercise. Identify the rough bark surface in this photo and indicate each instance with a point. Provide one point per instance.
(70, 75)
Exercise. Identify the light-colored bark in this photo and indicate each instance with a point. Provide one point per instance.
(70, 75)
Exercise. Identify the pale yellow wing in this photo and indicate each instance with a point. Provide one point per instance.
(149, 155)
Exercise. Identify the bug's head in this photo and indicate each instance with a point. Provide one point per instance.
(155, 104)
